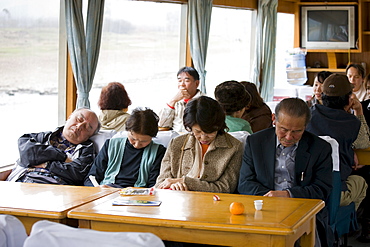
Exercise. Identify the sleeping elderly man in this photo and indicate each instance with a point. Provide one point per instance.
(63, 156)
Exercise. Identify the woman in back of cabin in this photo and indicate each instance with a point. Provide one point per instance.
(257, 113)
(133, 160)
(317, 88)
(113, 103)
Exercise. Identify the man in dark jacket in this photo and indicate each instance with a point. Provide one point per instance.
(332, 119)
(287, 161)
(350, 131)
(63, 156)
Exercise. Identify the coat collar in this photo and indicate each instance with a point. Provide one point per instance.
(301, 159)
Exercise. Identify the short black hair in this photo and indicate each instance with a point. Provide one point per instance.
(336, 102)
(191, 71)
(143, 122)
(322, 75)
(294, 107)
(207, 113)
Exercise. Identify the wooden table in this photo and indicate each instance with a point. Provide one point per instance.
(363, 156)
(194, 217)
(34, 202)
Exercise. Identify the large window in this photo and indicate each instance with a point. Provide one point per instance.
(229, 49)
(143, 46)
(29, 32)
(284, 43)
(140, 48)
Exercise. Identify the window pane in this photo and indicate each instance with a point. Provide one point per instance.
(29, 32)
(139, 48)
(229, 52)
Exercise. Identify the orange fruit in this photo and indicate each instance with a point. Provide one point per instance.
(236, 208)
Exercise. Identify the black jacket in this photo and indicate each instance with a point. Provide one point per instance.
(341, 126)
(34, 149)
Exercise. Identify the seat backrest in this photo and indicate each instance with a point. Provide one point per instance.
(99, 138)
(342, 220)
(334, 198)
(282, 93)
(163, 137)
(46, 233)
(240, 135)
(334, 151)
(12, 231)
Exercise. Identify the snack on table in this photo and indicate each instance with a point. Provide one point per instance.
(130, 191)
(216, 198)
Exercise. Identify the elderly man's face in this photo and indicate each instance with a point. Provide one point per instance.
(80, 126)
(289, 130)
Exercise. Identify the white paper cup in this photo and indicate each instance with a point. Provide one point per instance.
(258, 204)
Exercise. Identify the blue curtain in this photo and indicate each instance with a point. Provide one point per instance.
(84, 48)
(199, 21)
(264, 63)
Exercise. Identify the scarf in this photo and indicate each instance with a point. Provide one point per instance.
(116, 150)
(198, 168)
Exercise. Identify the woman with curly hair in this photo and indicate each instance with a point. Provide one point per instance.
(113, 103)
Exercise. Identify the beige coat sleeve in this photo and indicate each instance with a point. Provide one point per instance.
(363, 137)
(166, 116)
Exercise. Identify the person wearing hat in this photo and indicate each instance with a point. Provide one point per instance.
(333, 118)
(233, 98)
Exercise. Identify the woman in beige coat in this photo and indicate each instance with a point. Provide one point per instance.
(207, 159)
